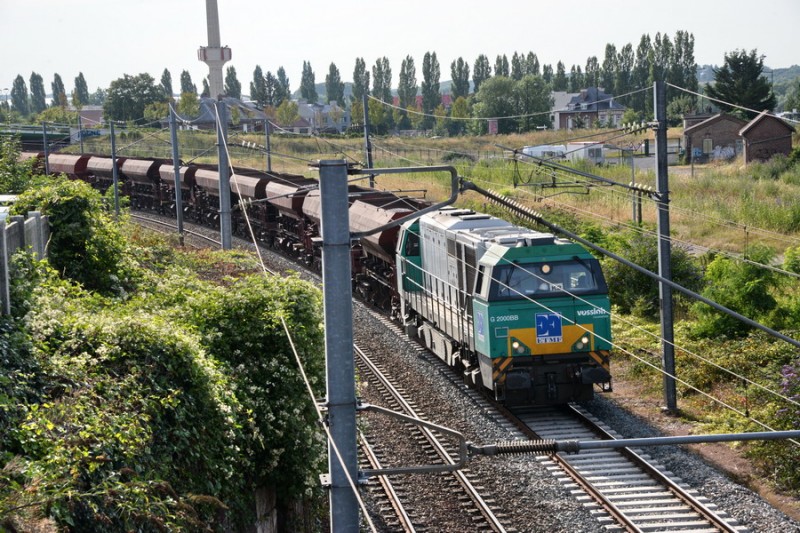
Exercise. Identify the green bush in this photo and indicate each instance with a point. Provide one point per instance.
(741, 286)
(15, 176)
(85, 242)
(638, 293)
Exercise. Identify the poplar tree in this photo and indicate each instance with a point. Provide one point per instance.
(81, 94)
(233, 87)
(59, 92)
(560, 79)
(334, 86)
(481, 72)
(459, 72)
(608, 71)
(283, 93)
(258, 87)
(501, 66)
(308, 89)
(186, 83)
(38, 95)
(360, 80)
(19, 96)
(166, 83)
(407, 84)
(430, 86)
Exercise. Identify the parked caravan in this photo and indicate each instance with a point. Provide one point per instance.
(546, 151)
(593, 151)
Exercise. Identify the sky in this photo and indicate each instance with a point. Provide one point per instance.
(106, 39)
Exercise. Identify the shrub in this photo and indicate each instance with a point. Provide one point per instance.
(15, 176)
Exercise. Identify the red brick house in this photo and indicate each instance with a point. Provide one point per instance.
(716, 137)
(765, 136)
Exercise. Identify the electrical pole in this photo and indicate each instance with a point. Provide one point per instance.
(114, 171)
(46, 149)
(224, 176)
(269, 148)
(340, 367)
(176, 165)
(367, 143)
(80, 130)
(664, 248)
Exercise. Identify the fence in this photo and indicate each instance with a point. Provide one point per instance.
(21, 232)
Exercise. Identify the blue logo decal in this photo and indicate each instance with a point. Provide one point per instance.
(479, 324)
(548, 328)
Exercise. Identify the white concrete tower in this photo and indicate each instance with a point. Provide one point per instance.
(214, 55)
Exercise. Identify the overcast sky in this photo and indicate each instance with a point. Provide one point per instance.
(105, 39)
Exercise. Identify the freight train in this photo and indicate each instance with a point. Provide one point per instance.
(521, 313)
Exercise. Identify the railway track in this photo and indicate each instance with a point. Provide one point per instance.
(621, 486)
(483, 514)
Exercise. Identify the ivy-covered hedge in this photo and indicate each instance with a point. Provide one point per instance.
(159, 407)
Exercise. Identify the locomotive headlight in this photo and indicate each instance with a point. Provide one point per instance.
(585, 339)
(515, 345)
(545, 269)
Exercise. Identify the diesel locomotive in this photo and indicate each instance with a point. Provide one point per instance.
(523, 314)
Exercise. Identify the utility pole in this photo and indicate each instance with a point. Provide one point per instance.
(114, 171)
(46, 149)
(340, 367)
(664, 248)
(224, 176)
(80, 130)
(269, 148)
(367, 143)
(176, 165)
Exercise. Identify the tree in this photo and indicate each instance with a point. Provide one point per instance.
(334, 86)
(459, 112)
(501, 66)
(98, 97)
(129, 96)
(547, 73)
(206, 89)
(407, 84)
(430, 86)
(608, 71)
(233, 87)
(186, 83)
(258, 87)
(38, 95)
(591, 76)
(59, 92)
(576, 80)
(382, 80)
(81, 93)
(481, 72)
(496, 99)
(532, 98)
(739, 82)
(641, 76)
(517, 66)
(360, 80)
(560, 79)
(189, 105)
(459, 72)
(166, 83)
(532, 64)
(287, 113)
(662, 58)
(282, 90)
(625, 61)
(308, 89)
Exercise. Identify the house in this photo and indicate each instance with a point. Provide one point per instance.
(716, 137)
(243, 116)
(765, 136)
(560, 101)
(91, 115)
(587, 108)
(324, 118)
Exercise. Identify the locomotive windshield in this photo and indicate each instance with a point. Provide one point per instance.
(542, 280)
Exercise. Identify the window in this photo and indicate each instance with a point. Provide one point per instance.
(544, 280)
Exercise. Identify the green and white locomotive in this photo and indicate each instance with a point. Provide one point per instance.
(523, 313)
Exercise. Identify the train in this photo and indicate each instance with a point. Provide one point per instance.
(523, 314)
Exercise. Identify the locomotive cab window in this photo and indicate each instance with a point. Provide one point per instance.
(542, 280)
(411, 248)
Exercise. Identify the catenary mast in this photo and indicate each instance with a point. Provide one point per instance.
(214, 55)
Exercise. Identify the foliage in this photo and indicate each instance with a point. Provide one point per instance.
(360, 80)
(495, 98)
(233, 87)
(744, 287)
(258, 87)
(459, 71)
(189, 105)
(631, 290)
(162, 413)
(85, 243)
(739, 81)
(38, 94)
(334, 86)
(80, 96)
(287, 113)
(532, 98)
(59, 92)
(481, 71)
(128, 97)
(430, 86)
(15, 175)
(186, 83)
(19, 96)
(166, 83)
(308, 89)
(407, 84)
(791, 259)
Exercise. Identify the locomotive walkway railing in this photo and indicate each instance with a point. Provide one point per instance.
(20, 232)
